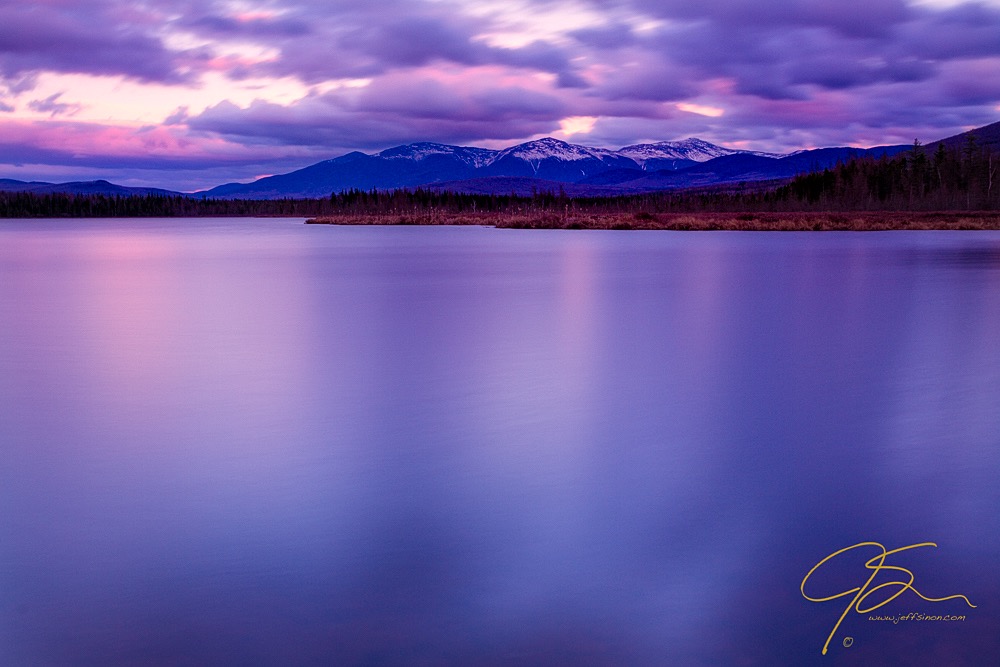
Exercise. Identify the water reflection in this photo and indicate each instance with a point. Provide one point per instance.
(276, 443)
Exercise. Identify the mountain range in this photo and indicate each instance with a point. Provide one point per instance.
(541, 165)
(536, 166)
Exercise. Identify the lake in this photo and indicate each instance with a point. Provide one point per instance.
(259, 442)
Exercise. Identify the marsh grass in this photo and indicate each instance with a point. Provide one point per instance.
(642, 220)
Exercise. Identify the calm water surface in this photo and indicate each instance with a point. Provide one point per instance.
(259, 442)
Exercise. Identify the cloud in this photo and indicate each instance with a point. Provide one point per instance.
(95, 145)
(254, 26)
(610, 36)
(851, 18)
(93, 37)
(51, 105)
(970, 83)
(965, 31)
(797, 52)
(319, 41)
(787, 74)
(641, 75)
(20, 84)
(393, 110)
(178, 117)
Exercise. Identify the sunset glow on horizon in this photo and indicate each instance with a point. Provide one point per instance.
(186, 96)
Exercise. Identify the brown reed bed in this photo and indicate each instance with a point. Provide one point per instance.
(755, 222)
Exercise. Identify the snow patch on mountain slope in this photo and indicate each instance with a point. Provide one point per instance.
(534, 152)
(688, 149)
(693, 149)
(476, 157)
(543, 149)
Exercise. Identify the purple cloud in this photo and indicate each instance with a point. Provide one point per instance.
(226, 26)
(852, 18)
(89, 37)
(610, 36)
(783, 75)
(643, 76)
(383, 39)
(51, 105)
(964, 31)
(390, 111)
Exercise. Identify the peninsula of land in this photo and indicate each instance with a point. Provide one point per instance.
(703, 221)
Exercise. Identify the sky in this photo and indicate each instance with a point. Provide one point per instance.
(189, 94)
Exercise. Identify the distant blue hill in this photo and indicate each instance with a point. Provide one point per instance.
(347, 172)
(750, 168)
(10, 185)
(80, 188)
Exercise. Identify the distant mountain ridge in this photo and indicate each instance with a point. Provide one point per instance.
(100, 187)
(542, 165)
(692, 149)
(548, 161)
(986, 136)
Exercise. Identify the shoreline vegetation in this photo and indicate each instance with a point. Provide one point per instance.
(695, 221)
(955, 187)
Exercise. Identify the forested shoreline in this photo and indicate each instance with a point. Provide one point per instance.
(948, 179)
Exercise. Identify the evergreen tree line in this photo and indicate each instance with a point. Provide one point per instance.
(949, 179)
(62, 205)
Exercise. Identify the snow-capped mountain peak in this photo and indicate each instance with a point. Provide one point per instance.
(476, 157)
(693, 149)
(534, 152)
(639, 167)
(415, 151)
(548, 147)
(697, 150)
